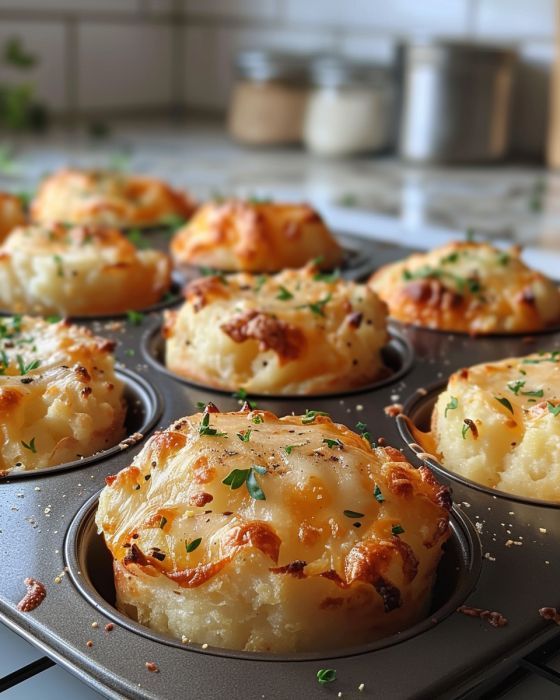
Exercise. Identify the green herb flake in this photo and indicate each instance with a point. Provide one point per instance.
(245, 436)
(451, 406)
(162, 522)
(328, 277)
(129, 352)
(537, 394)
(200, 405)
(555, 410)
(237, 477)
(326, 675)
(516, 386)
(310, 416)
(53, 319)
(505, 403)
(59, 265)
(318, 307)
(362, 428)
(25, 369)
(465, 429)
(30, 445)
(192, 545)
(347, 200)
(353, 514)
(137, 238)
(397, 529)
(379, 497)
(206, 431)
(260, 282)
(333, 443)
(503, 259)
(257, 419)
(135, 318)
(284, 294)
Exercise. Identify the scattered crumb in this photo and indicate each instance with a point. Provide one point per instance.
(109, 627)
(36, 594)
(550, 614)
(511, 543)
(488, 556)
(184, 640)
(394, 410)
(543, 530)
(495, 619)
(361, 687)
(129, 441)
(152, 667)
(89, 644)
(95, 625)
(359, 407)
(205, 646)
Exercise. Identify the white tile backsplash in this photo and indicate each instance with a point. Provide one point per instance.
(124, 65)
(74, 6)
(210, 54)
(47, 41)
(400, 16)
(246, 9)
(515, 19)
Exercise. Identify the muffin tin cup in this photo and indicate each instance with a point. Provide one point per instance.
(417, 414)
(397, 356)
(40, 513)
(89, 564)
(144, 407)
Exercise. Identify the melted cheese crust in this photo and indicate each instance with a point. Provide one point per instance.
(109, 198)
(59, 396)
(255, 237)
(289, 571)
(468, 287)
(78, 271)
(11, 213)
(513, 449)
(288, 333)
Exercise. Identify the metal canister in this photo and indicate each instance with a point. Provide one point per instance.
(455, 101)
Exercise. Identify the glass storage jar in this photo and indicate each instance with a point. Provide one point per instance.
(350, 107)
(267, 105)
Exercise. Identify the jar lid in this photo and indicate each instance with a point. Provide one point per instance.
(456, 52)
(337, 71)
(263, 65)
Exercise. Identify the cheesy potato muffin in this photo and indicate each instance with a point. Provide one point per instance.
(81, 270)
(255, 237)
(60, 399)
(499, 425)
(297, 332)
(11, 213)
(469, 287)
(246, 531)
(110, 198)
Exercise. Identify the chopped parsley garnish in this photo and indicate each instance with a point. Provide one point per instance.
(516, 386)
(174, 221)
(310, 416)
(205, 429)
(137, 238)
(245, 436)
(4, 361)
(237, 477)
(333, 443)
(257, 419)
(192, 545)
(363, 430)
(538, 394)
(288, 448)
(465, 429)
(379, 497)
(317, 307)
(318, 261)
(555, 410)
(200, 405)
(503, 258)
(30, 445)
(162, 522)
(397, 529)
(451, 406)
(261, 280)
(23, 368)
(53, 319)
(135, 318)
(554, 357)
(129, 352)
(326, 675)
(353, 514)
(59, 265)
(505, 403)
(241, 395)
(328, 277)
(428, 272)
(451, 258)
(284, 294)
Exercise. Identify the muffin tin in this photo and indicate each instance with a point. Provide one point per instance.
(501, 556)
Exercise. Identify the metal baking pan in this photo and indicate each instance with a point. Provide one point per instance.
(47, 532)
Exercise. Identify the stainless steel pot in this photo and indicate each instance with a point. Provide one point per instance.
(455, 102)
